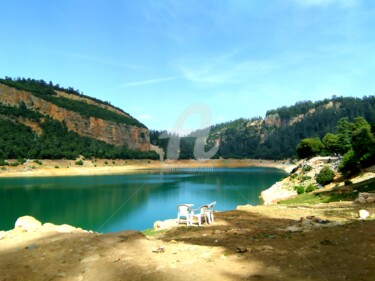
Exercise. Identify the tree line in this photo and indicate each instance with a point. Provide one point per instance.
(253, 138)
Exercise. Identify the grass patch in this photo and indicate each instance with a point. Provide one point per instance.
(339, 194)
(152, 232)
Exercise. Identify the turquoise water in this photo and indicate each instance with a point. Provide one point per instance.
(131, 201)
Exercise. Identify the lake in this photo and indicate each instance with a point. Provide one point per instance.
(130, 201)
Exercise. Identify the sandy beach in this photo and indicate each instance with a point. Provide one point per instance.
(120, 166)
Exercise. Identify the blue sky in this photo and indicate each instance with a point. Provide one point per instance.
(156, 58)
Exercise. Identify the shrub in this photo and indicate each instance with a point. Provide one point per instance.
(21, 160)
(300, 189)
(310, 188)
(304, 178)
(325, 176)
(79, 162)
(3, 162)
(306, 168)
(38, 162)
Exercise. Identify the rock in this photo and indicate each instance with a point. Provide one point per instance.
(363, 214)
(28, 224)
(158, 249)
(65, 228)
(241, 250)
(2, 234)
(48, 227)
(159, 225)
(365, 197)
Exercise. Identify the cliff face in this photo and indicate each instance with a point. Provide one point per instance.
(118, 134)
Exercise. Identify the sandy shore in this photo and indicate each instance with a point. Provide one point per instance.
(112, 167)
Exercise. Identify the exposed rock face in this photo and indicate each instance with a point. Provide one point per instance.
(273, 120)
(113, 133)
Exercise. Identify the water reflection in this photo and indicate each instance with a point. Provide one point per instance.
(132, 201)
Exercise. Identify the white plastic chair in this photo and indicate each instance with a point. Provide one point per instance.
(210, 211)
(202, 213)
(184, 214)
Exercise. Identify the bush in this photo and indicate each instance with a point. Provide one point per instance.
(348, 182)
(310, 188)
(38, 162)
(306, 168)
(300, 189)
(304, 178)
(3, 162)
(79, 162)
(325, 176)
(21, 160)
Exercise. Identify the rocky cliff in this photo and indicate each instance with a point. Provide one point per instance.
(111, 132)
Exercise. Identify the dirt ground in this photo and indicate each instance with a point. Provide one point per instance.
(251, 243)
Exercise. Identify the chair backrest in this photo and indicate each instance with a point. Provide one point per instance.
(183, 209)
(211, 205)
(203, 209)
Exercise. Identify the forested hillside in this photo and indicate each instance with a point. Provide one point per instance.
(39, 120)
(277, 135)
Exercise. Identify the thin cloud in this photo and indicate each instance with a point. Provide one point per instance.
(149, 81)
(326, 3)
(144, 117)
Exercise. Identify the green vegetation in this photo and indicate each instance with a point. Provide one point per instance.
(47, 92)
(353, 139)
(254, 138)
(79, 162)
(309, 147)
(56, 142)
(299, 189)
(152, 232)
(21, 111)
(310, 188)
(338, 194)
(325, 176)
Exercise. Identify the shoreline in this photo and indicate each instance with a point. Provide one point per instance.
(63, 168)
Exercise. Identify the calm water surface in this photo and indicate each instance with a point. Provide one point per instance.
(130, 201)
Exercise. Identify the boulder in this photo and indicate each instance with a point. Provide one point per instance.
(28, 224)
(363, 214)
(65, 228)
(365, 197)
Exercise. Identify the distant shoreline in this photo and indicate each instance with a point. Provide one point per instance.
(55, 168)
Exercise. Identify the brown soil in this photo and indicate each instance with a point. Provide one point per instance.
(246, 244)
